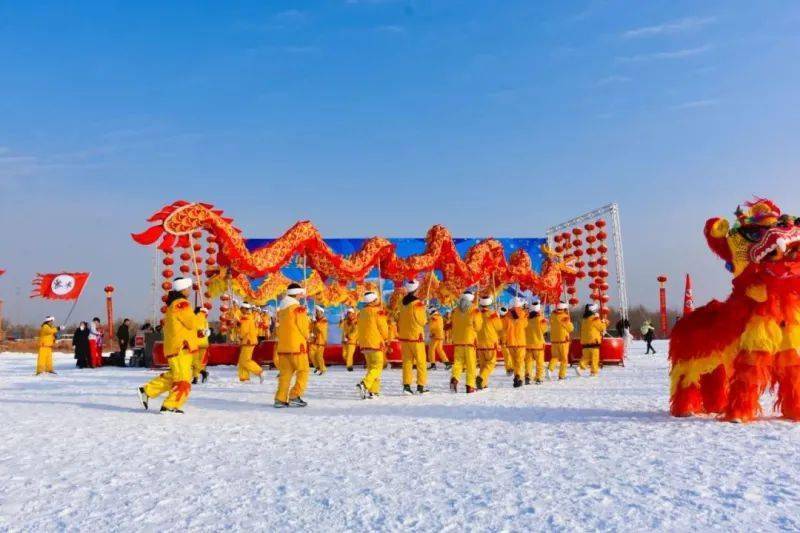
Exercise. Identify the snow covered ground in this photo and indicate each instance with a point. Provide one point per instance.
(79, 453)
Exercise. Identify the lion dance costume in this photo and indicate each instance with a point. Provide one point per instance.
(726, 354)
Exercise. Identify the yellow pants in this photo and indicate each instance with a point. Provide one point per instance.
(487, 359)
(535, 356)
(246, 364)
(44, 362)
(180, 371)
(199, 361)
(559, 353)
(275, 357)
(414, 355)
(292, 366)
(517, 355)
(436, 349)
(348, 350)
(508, 361)
(591, 358)
(318, 357)
(372, 380)
(465, 358)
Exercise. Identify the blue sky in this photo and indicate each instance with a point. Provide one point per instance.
(385, 117)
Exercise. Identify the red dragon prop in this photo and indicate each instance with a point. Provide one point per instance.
(484, 264)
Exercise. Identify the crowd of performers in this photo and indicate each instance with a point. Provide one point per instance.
(478, 330)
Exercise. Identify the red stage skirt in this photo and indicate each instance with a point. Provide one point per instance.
(612, 352)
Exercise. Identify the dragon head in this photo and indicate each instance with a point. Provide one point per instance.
(761, 239)
(176, 222)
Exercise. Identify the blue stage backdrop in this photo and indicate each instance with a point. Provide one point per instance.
(405, 248)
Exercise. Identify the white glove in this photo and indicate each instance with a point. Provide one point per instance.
(207, 333)
(61, 328)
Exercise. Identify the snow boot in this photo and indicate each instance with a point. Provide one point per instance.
(538, 381)
(470, 390)
(362, 390)
(448, 366)
(453, 385)
(407, 390)
(422, 390)
(194, 381)
(280, 405)
(143, 398)
(578, 371)
(297, 402)
(432, 366)
(479, 382)
(527, 380)
(203, 376)
(517, 383)
(349, 368)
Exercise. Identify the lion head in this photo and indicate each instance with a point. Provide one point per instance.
(761, 239)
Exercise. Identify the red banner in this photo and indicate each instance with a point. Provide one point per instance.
(688, 298)
(63, 286)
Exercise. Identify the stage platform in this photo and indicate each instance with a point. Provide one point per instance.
(612, 352)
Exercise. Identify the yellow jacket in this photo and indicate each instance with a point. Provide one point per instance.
(489, 334)
(349, 327)
(294, 328)
(592, 330)
(180, 331)
(534, 333)
(560, 326)
(201, 325)
(47, 335)
(466, 325)
(515, 328)
(392, 328)
(373, 328)
(411, 321)
(320, 331)
(436, 326)
(247, 331)
(263, 325)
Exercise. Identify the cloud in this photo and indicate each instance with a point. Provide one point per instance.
(609, 80)
(694, 104)
(392, 29)
(668, 28)
(672, 54)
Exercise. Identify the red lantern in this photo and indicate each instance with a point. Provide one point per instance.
(591, 251)
(185, 269)
(208, 305)
(602, 261)
(225, 297)
(579, 264)
(593, 273)
(169, 250)
(557, 239)
(574, 301)
(197, 234)
(167, 285)
(604, 298)
(592, 285)
(167, 273)
(571, 290)
(577, 242)
(163, 309)
(168, 261)
(577, 231)
(600, 223)
(197, 247)
(559, 249)
(211, 261)
(589, 227)
(602, 235)
(581, 274)
(578, 253)
(603, 249)
(604, 287)
(164, 298)
(565, 235)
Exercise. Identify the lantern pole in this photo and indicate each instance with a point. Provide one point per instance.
(662, 293)
(109, 290)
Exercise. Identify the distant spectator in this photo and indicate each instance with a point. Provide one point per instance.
(648, 333)
(96, 343)
(80, 341)
(124, 336)
(622, 325)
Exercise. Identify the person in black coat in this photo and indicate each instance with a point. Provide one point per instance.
(80, 341)
(124, 336)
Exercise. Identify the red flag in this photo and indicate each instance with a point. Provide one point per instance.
(63, 286)
(688, 299)
(2, 271)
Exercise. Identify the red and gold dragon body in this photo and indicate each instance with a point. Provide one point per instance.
(484, 265)
(726, 354)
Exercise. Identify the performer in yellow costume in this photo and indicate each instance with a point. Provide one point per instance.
(411, 322)
(294, 331)
(534, 336)
(247, 332)
(508, 361)
(560, 330)
(349, 327)
(592, 330)
(488, 341)
(516, 322)
(436, 339)
(200, 357)
(180, 344)
(319, 336)
(372, 334)
(47, 339)
(467, 322)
